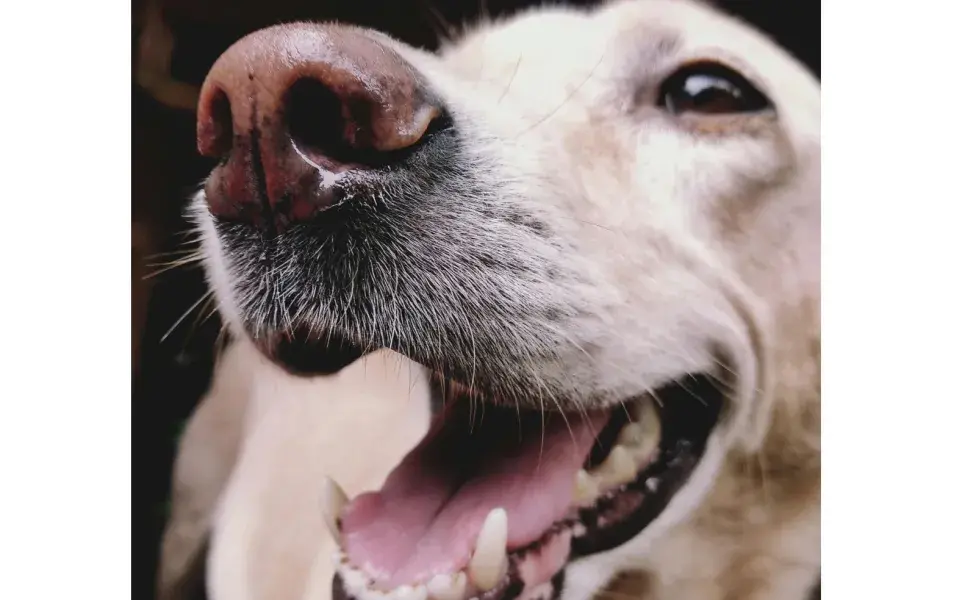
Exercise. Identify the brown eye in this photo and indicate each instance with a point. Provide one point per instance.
(710, 89)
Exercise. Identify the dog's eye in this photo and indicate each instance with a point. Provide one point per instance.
(711, 89)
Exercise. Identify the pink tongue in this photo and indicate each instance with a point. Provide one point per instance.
(427, 516)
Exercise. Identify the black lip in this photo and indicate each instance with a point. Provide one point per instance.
(295, 354)
(689, 409)
(514, 586)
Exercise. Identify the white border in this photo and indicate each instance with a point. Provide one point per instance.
(899, 265)
(65, 396)
(899, 268)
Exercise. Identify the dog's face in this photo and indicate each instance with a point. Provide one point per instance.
(616, 209)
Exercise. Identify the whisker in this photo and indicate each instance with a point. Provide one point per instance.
(183, 257)
(630, 419)
(212, 300)
(184, 315)
(684, 388)
(565, 101)
(181, 252)
(544, 388)
(508, 86)
(166, 267)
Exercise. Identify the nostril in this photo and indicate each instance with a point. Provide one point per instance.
(216, 138)
(328, 129)
(339, 127)
(313, 116)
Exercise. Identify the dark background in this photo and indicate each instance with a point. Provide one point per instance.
(170, 375)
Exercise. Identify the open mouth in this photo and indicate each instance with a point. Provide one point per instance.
(496, 500)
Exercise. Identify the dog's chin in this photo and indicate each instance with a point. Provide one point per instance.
(298, 353)
(566, 484)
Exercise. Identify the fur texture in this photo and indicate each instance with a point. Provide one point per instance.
(564, 238)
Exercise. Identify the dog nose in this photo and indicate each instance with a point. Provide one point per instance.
(288, 109)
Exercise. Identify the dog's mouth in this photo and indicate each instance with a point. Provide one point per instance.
(496, 500)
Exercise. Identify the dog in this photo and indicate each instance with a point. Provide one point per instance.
(535, 317)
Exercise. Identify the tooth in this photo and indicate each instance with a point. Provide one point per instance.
(447, 587)
(620, 466)
(490, 559)
(646, 409)
(587, 489)
(332, 502)
(632, 435)
(652, 426)
(409, 592)
(354, 579)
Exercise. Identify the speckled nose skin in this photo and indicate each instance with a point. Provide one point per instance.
(288, 108)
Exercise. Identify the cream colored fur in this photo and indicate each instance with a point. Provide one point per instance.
(728, 213)
(252, 460)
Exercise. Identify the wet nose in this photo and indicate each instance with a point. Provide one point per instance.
(288, 109)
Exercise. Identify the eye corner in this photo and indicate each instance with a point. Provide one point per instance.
(710, 88)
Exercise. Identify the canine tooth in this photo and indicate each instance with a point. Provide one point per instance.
(646, 410)
(587, 489)
(620, 467)
(651, 484)
(489, 560)
(447, 587)
(332, 502)
(652, 427)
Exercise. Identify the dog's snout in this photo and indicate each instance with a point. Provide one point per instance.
(290, 108)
